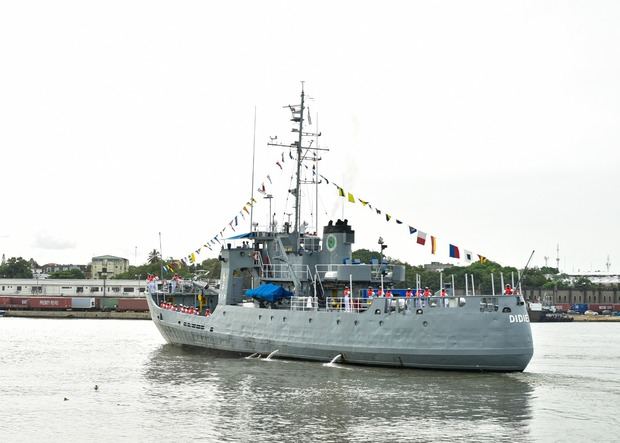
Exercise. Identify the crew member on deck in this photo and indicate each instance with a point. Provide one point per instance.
(508, 290)
(388, 293)
(427, 292)
(380, 292)
(347, 293)
(408, 293)
(443, 292)
(370, 293)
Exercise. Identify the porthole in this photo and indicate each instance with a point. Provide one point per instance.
(309, 320)
(355, 322)
(419, 311)
(271, 318)
(380, 322)
(425, 323)
(283, 318)
(260, 316)
(338, 321)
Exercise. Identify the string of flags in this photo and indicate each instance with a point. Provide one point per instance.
(233, 224)
(421, 236)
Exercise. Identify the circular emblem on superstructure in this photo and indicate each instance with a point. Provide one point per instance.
(331, 242)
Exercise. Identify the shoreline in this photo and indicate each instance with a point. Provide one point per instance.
(129, 315)
(595, 318)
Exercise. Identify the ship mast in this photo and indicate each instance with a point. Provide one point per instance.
(298, 178)
(298, 112)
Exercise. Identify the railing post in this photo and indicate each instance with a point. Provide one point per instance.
(492, 284)
(466, 286)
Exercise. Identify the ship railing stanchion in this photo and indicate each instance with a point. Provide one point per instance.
(501, 277)
(492, 284)
(473, 287)
(453, 287)
(466, 286)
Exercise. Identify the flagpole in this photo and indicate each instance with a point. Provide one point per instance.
(161, 255)
(253, 157)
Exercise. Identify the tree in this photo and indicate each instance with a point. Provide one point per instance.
(365, 255)
(16, 267)
(154, 257)
(69, 274)
(213, 266)
(583, 283)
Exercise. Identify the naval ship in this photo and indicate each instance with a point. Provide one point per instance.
(297, 295)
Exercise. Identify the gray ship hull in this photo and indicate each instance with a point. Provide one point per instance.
(457, 338)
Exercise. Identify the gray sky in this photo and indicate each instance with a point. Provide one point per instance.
(492, 125)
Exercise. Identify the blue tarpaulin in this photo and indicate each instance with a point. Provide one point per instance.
(269, 292)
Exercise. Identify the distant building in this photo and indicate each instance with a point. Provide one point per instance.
(598, 278)
(109, 265)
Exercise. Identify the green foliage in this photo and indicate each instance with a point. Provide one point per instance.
(583, 283)
(16, 267)
(70, 274)
(154, 257)
(365, 256)
(213, 266)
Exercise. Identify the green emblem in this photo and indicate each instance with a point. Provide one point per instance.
(331, 242)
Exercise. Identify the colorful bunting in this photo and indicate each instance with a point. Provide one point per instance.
(421, 238)
(340, 192)
(454, 252)
(364, 203)
(468, 255)
(433, 244)
(387, 217)
(351, 198)
(412, 230)
(482, 259)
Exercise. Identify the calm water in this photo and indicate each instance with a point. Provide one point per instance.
(150, 391)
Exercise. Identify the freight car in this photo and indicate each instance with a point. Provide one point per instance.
(73, 303)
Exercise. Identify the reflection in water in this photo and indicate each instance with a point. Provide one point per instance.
(236, 398)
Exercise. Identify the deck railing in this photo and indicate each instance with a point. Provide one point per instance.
(282, 271)
(361, 304)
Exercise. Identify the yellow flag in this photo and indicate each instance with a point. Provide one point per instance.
(341, 192)
(193, 257)
(364, 203)
(351, 198)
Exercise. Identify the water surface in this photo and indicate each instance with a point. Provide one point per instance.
(149, 391)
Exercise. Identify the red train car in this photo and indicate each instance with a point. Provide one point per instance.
(563, 307)
(14, 302)
(55, 303)
(132, 304)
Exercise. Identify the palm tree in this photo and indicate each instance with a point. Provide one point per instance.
(154, 257)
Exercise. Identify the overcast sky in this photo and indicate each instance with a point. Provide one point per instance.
(494, 126)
